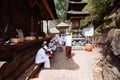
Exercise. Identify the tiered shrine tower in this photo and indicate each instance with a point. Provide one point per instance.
(75, 13)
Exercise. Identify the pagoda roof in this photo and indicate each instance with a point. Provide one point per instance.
(77, 14)
(78, 6)
(76, 0)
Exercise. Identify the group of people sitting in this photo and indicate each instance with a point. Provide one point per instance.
(48, 50)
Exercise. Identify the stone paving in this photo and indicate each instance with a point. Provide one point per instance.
(79, 67)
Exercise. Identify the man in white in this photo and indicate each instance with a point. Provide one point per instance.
(60, 42)
(68, 44)
(42, 57)
(46, 47)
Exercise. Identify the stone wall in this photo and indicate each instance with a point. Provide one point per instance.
(111, 53)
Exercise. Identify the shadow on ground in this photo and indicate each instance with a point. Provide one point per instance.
(60, 62)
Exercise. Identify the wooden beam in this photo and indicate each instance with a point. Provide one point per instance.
(48, 8)
(44, 13)
(32, 3)
(32, 24)
(76, 17)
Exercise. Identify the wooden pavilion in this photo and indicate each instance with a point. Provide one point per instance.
(28, 16)
(62, 27)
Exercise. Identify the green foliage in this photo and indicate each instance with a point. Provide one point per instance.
(96, 33)
(105, 25)
(106, 18)
(98, 9)
(84, 21)
(61, 9)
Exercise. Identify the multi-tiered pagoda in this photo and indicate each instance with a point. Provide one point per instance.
(75, 13)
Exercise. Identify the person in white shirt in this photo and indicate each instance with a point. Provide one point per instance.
(60, 42)
(42, 57)
(68, 45)
(48, 50)
(55, 44)
(52, 45)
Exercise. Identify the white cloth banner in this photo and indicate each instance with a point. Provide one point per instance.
(88, 31)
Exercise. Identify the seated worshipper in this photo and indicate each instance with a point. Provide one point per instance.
(42, 57)
(55, 44)
(55, 40)
(48, 50)
(46, 47)
(52, 45)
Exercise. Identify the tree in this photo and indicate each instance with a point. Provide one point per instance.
(61, 9)
(98, 9)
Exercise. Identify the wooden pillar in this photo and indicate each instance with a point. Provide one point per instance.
(47, 26)
(9, 12)
(32, 24)
(41, 26)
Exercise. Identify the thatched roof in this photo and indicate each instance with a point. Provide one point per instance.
(62, 25)
(54, 31)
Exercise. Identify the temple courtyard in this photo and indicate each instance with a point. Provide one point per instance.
(78, 67)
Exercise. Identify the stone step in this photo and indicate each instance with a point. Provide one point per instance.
(30, 72)
(16, 74)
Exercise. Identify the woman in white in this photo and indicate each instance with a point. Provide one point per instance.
(42, 57)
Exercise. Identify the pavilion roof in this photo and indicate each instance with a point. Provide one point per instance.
(52, 6)
(45, 9)
(54, 30)
(62, 25)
